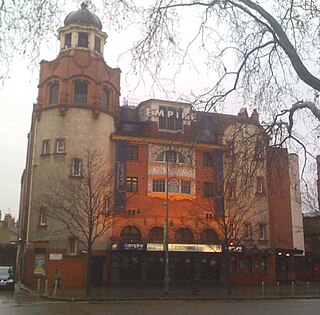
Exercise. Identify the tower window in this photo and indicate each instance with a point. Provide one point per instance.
(54, 93)
(208, 189)
(76, 168)
(105, 99)
(67, 41)
(83, 39)
(46, 147)
(81, 92)
(97, 44)
(60, 145)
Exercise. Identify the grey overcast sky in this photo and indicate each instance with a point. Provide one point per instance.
(20, 92)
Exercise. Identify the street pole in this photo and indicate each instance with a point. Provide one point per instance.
(166, 268)
(166, 221)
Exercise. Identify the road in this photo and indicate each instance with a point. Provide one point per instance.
(22, 303)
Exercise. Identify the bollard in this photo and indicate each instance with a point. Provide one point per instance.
(278, 287)
(262, 288)
(39, 284)
(46, 287)
(55, 287)
(293, 288)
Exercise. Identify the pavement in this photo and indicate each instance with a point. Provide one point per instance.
(184, 291)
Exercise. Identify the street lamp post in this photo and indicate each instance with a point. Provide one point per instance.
(166, 221)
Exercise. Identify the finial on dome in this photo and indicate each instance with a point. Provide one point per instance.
(84, 6)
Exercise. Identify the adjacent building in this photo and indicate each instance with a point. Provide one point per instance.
(233, 202)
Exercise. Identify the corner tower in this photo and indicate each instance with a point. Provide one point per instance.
(76, 109)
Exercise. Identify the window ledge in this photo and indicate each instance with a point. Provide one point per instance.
(59, 153)
(75, 177)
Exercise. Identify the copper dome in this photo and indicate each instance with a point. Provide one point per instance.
(84, 17)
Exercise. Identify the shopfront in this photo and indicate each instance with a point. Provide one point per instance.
(145, 262)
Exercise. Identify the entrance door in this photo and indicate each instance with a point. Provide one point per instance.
(183, 265)
(130, 266)
(155, 266)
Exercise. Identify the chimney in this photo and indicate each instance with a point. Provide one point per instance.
(255, 116)
(243, 112)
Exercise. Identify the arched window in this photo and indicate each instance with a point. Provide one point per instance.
(173, 186)
(80, 92)
(130, 233)
(184, 235)
(209, 236)
(105, 99)
(171, 156)
(54, 93)
(155, 235)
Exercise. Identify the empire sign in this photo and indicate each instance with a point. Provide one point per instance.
(177, 114)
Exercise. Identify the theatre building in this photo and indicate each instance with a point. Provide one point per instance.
(232, 200)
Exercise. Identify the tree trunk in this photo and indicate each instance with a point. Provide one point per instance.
(89, 259)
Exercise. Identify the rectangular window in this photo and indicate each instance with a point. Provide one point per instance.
(158, 185)
(46, 147)
(170, 118)
(260, 185)
(83, 39)
(72, 248)
(207, 159)
(97, 44)
(43, 217)
(262, 231)
(208, 189)
(105, 99)
(185, 187)
(67, 40)
(132, 184)
(60, 145)
(76, 168)
(247, 231)
(132, 152)
(209, 216)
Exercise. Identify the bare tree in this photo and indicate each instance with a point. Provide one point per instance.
(24, 25)
(243, 219)
(262, 51)
(84, 205)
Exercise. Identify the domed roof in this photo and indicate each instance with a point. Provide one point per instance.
(83, 16)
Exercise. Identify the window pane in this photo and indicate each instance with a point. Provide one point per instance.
(80, 93)
(83, 39)
(158, 185)
(105, 99)
(60, 146)
(97, 44)
(67, 40)
(54, 93)
(132, 152)
(173, 186)
(185, 187)
(76, 168)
